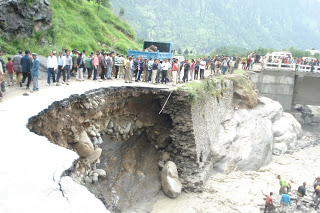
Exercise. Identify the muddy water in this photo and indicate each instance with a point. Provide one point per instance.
(241, 191)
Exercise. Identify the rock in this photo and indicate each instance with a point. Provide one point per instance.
(95, 140)
(110, 125)
(307, 120)
(315, 119)
(109, 131)
(98, 115)
(139, 124)
(92, 133)
(18, 17)
(100, 141)
(166, 156)
(171, 185)
(163, 140)
(84, 147)
(128, 128)
(100, 172)
(280, 147)
(94, 156)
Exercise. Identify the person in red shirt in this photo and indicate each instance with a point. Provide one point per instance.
(248, 63)
(10, 68)
(269, 204)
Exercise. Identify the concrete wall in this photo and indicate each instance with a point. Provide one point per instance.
(277, 85)
(307, 89)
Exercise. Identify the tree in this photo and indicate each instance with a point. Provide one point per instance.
(121, 12)
(179, 51)
(186, 52)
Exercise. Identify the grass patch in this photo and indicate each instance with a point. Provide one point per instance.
(77, 24)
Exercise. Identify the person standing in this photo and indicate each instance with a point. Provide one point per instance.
(150, 63)
(269, 204)
(202, 68)
(231, 65)
(110, 65)
(35, 72)
(103, 65)
(154, 71)
(248, 63)
(26, 68)
(88, 64)
(121, 64)
(80, 66)
(285, 201)
(212, 66)
(300, 194)
(74, 62)
(67, 65)
(175, 70)
(52, 66)
(1, 78)
(192, 68)
(128, 72)
(117, 64)
(186, 71)
(169, 75)
(3, 87)
(95, 65)
(17, 67)
(61, 62)
(145, 70)
(165, 67)
(224, 66)
(10, 68)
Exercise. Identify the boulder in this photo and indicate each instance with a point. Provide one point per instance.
(84, 147)
(100, 172)
(163, 140)
(171, 185)
(94, 156)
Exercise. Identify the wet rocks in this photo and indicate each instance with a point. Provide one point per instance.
(170, 183)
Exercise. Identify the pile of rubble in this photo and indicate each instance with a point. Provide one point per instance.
(152, 48)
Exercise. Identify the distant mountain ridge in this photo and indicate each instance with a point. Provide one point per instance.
(203, 25)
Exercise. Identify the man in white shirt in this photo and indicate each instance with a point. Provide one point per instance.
(165, 66)
(52, 65)
(202, 68)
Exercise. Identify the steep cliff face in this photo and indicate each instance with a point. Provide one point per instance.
(18, 18)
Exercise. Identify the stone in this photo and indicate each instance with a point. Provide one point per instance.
(98, 115)
(92, 133)
(110, 125)
(139, 124)
(315, 119)
(170, 183)
(84, 147)
(307, 120)
(109, 131)
(166, 156)
(100, 172)
(163, 140)
(94, 156)
(128, 128)
(100, 141)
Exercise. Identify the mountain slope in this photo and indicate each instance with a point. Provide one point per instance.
(206, 24)
(76, 24)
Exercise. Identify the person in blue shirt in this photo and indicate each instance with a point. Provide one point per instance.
(35, 72)
(285, 201)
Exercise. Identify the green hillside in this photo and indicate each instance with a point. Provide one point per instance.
(77, 24)
(203, 25)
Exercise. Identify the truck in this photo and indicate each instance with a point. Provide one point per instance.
(164, 50)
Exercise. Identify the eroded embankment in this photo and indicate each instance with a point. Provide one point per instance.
(123, 142)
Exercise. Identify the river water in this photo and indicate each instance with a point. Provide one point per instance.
(241, 191)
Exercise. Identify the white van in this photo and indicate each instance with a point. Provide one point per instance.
(180, 58)
(282, 54)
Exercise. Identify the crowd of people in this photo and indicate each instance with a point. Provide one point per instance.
(284, 192)
(102, 65)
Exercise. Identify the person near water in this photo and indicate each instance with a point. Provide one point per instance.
(300, 194)
(35, 72)
(285, 201)
(269, 204)
(316, 195)
(283, 185)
